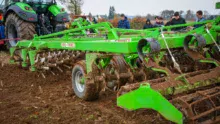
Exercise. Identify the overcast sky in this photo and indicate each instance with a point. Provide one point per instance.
(142, 7)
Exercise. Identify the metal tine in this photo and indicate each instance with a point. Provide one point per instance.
(42, 74)
(59, 69)
(52, 73)
(37, 58)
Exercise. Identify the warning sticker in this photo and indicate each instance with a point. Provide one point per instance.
(124, 40)
(69, 45)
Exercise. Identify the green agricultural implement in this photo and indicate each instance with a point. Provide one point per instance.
(82, 22)
(174, 73)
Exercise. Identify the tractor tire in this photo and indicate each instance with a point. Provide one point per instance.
(18, 28)
(83, 88)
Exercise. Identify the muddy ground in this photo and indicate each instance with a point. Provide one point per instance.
(26, 97)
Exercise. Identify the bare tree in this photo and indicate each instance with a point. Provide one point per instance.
(166, 14)
(90, 14)
(206, 14)
(149, 16)
(181, 12)
(74, 6)
(111, 12)
(189, 15)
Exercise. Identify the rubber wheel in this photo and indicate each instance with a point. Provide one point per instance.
(18, 28)
(84, 89)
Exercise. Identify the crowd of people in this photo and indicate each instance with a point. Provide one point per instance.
(176, 19)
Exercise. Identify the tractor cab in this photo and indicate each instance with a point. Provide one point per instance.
(40, 6)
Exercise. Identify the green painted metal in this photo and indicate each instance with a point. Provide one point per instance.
(90, 58)
(210, 61)
(32, 54)
(217, 5)
(130, 59)
(112, 43)
(12, 50)
(98, 46)
(56, 9)
(23, 5)
(80, 22)
(109, 41)
(103, 62)
(112, 34)
(24, 57)
(160, 70)
(145, 97)
(217, 28)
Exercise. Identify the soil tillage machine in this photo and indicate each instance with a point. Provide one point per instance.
(175, 73)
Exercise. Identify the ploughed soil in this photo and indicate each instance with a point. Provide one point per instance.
(26, 97)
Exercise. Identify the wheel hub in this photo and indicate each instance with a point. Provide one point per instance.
(80, 81)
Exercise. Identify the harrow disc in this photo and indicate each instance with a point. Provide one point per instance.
(18, 56)
(117, 73)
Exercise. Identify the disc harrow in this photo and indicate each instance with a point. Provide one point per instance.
(156, 69)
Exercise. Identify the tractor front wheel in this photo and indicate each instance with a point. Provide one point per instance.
(17, 28)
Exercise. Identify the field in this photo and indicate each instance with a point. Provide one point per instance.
(26, 97)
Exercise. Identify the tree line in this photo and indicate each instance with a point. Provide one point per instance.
(74, 6)
(166, 14)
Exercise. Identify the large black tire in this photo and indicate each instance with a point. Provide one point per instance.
(86, 90)
(18, 28)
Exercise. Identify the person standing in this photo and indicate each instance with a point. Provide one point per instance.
(200, 18)
(94, 20)
(124, 23)
(177, 20)
(148, 24)
(159, 22)
(169, 22)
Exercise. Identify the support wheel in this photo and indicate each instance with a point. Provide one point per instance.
(83, 88)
